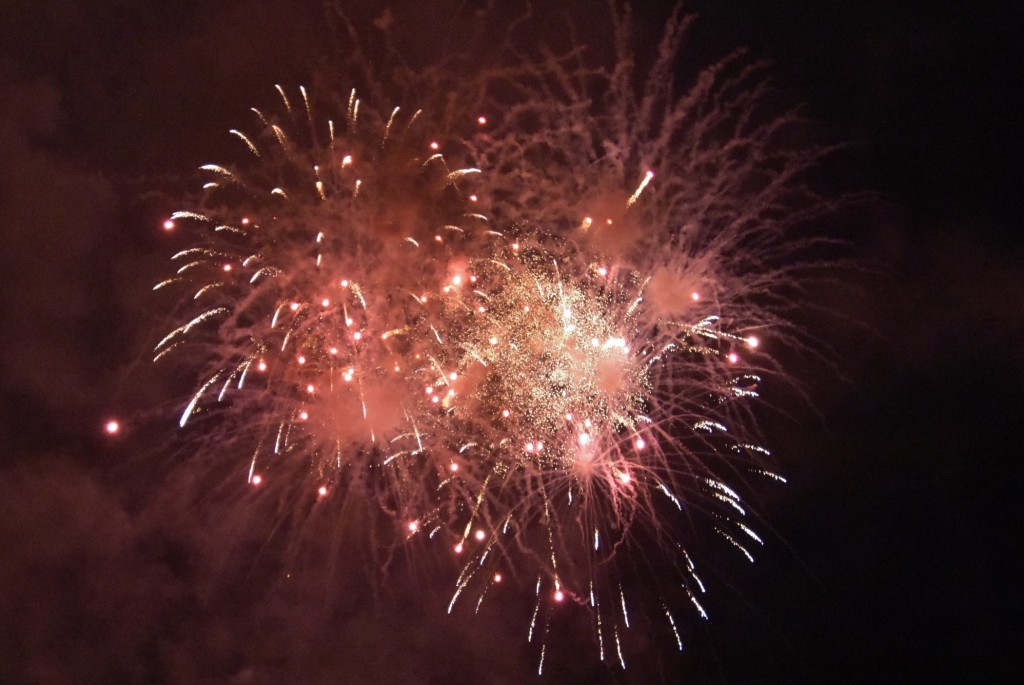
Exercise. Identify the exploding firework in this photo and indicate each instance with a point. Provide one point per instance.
(530, 332)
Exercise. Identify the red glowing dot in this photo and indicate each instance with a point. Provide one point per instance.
(695, 296)
(262, 366)
(733, 357)
(506, 413)
(434, 145)
(458, 548)
(753, 342)
(584, 438)
(568, 416)
(357, 335)
(603, 271)
(559, 596)
(625, 478)
(413, 526)
(529, 447)
(540, 446)
(640, 444)
(480, 535)
(257, 479)
(515, 246)
(346, 160)
(334, 350)
(325, 302)
(301, 360)
(452, 376)
(493, 341)
(437, 238)
(227, 267)
(112, 427)
(309, 388)
(245, 221)
(481, 120)
(497, 577)
(294, 306)
(435, 399)
(457, 280)
(473, 198)
(344, 283)
(303, 415)
(169, 225)
(454, 467)
(322, 491)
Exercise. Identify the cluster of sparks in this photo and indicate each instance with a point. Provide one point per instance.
(539, 387)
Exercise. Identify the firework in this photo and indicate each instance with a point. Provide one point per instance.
(530, 332)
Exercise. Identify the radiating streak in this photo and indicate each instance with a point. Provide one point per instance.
(195, 399)
(214, 168)
(700, 609)
(305, 99)
(182, 330)
(287, 105)
(387, 128)
(735, 543)
(636, 193)
(194, 215)
(749, 532)
(675, 631)
(668, 493)
(245, 139)
(731, 502)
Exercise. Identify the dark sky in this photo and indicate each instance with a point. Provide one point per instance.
(895, 550)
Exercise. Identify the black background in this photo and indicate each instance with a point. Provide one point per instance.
(896, 550)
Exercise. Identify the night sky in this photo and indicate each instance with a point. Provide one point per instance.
(894, 552)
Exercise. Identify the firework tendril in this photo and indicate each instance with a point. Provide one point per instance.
(529, 325)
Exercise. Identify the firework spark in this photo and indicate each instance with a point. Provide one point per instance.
(529, 331)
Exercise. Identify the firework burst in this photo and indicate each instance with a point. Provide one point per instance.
(529, 331)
